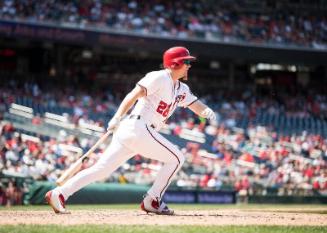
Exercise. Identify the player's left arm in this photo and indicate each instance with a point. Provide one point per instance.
(199, 108)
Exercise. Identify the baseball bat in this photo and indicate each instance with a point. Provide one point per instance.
(76, 166)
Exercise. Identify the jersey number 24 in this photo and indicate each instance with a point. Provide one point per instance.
(163, 108)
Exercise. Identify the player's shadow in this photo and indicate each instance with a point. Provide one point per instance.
(198, 215)
(185, 215)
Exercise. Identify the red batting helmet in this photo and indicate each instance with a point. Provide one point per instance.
(174, 57)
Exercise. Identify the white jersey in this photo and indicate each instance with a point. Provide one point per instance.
(162, 98)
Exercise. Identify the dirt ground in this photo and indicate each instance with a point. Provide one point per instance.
(183, 217)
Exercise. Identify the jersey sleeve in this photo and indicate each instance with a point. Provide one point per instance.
(187, 97)
(151, 83)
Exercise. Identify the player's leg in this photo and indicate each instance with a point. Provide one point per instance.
(113, 157)
(155, 146)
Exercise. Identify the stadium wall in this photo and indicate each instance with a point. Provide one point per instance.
(274, 199)
(104, 193)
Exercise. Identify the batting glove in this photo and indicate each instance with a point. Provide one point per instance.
(113, 124)
(209, 114)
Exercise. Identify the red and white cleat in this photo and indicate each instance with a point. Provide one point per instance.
(150, 205)
(57, 202)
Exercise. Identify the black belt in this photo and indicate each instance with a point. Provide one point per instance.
(138, 117)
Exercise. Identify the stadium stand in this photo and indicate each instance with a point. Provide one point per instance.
(250, 21)
(270, 136)
(254, 158)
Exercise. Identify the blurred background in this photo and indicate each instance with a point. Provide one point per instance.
(262, 66)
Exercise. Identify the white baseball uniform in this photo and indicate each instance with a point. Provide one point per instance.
(138, 134)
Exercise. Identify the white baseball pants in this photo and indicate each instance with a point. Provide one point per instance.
(132, 137)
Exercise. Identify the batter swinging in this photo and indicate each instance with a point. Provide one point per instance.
(157, 95)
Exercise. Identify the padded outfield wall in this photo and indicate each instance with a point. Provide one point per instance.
(112, 193)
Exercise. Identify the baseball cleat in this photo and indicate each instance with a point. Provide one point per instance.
(57, 202)
(150, 205)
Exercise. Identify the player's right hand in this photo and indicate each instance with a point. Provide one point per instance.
(113, 124)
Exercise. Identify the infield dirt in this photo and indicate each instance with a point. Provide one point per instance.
(183, 217)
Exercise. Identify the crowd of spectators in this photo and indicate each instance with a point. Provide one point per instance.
(259, 158)
(77, 105)
(250, 160)
(229, 21)
(239, 109)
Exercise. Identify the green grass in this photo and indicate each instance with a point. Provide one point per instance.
(159, 229)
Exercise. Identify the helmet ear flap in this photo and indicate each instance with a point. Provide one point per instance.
(175, 65)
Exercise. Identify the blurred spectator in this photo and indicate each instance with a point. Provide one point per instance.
(3, 199)
(37, 120)
(13, 194)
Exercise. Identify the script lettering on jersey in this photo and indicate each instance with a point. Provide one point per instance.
(180, 98)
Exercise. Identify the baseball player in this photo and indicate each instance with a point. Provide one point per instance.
(156, 96)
